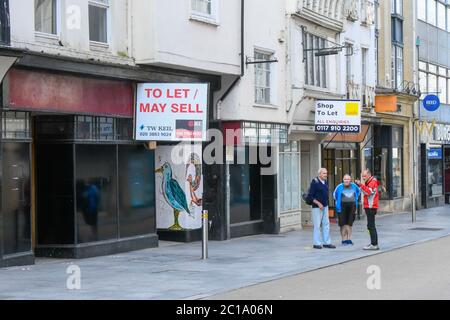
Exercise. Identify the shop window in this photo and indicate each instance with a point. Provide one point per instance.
(289, 176)
(45, 16)
(435, 174)
(16, 125)
(397, 174)
(136, 190)
(16, 203)
(96, 192)
(98, 21)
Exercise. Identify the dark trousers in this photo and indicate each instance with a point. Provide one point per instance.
(371, 213)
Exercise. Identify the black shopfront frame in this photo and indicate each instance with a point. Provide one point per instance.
(68, 242)
(382, 138)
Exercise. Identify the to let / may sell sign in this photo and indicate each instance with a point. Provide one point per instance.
(171, 111)
(338, 116)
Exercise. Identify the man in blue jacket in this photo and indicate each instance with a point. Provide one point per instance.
(318, 194)
(346, 198)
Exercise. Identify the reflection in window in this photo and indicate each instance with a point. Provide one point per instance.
(397, 185)
(289, 176)
(434, 177)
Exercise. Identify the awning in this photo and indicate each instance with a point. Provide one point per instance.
(8, 57)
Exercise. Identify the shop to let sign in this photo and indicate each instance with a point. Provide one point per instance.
(171, 112)
(338, 116)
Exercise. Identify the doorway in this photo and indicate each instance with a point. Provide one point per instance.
(340, 162)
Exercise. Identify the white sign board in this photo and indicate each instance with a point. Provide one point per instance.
(338, 116)
(171, 111)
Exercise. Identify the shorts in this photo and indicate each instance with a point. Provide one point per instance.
(347, 215)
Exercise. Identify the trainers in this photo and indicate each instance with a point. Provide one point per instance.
(317, 247)
(329, 246)
(350, 242)
(371, 247)
(344, 242)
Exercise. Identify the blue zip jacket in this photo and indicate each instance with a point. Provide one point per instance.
(338, 195)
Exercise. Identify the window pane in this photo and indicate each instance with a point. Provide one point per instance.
(136, 191)
(432, 83)
(435, 171)
(441, 15)
(422, 65)
(423, 83)
(399, 67)
(98, 24)
(397, 180)
(431, 13)
(443, 89)
(203, 6)
(295, 180)
(448, 19)
(96, 186)
(45, 16)
(421, 9)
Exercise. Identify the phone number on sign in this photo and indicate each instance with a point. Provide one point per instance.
(334, 128)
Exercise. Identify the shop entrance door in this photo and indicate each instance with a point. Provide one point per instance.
(339, 162)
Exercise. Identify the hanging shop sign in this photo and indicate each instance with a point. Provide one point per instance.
(171, 111)
(338, 116)
(431, 102)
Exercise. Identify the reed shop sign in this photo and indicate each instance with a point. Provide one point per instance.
(338, 116)
(171, 111)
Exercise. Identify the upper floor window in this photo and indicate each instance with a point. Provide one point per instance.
(45, 16)
(204, 10)
(315, 63)
(435, 12)
(397, 7)
(397, 67)
(98, 20)
(263, 78)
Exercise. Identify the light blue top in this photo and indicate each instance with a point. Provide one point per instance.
(337, 194)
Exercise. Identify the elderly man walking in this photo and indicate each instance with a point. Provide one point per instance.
(318, 195)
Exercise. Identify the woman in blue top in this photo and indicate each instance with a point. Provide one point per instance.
(346, 197)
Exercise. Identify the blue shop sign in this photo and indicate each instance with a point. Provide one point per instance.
(435, 153)
(431, 102)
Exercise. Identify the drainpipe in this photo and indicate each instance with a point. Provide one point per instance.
(219, 103)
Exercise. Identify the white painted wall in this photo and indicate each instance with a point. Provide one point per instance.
(72, 41)
(265, 29)
(165, 34)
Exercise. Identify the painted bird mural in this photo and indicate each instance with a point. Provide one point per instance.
(174, 194)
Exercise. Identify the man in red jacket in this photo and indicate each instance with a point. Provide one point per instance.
(370, 190)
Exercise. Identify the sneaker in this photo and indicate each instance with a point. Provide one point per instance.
(350, 242)
(344, 242)
(317, 247)
(371, 247)
(329, 246)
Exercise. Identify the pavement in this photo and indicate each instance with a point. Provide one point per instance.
(176, 271)
(418, 272)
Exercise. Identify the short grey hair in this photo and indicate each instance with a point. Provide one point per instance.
(321, 169)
